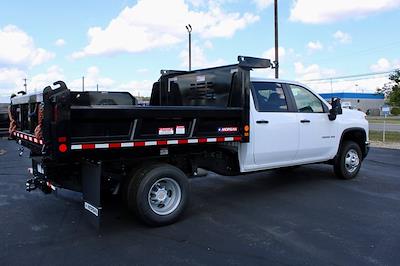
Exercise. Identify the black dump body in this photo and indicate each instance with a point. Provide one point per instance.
(188, 112)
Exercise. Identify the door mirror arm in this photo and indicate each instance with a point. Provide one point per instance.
(336, 109)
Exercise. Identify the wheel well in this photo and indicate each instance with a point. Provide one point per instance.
(358, 135)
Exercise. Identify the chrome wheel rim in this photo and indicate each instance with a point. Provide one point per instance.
(164, 196)
(351, 161)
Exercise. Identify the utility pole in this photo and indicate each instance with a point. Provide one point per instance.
(83, 83)
(189, 29)
(276, 62)
(25, 85)
(97, 87)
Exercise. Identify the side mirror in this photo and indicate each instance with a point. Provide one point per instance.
(336, 109)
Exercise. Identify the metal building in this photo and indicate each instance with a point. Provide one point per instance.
(360, 101)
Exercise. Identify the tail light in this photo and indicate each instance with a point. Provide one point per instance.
(62, 146)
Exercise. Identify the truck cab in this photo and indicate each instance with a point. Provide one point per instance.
(292, 121)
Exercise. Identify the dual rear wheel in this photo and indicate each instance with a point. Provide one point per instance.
(157, 194)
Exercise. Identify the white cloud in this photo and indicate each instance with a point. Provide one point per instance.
(197, 3)
(262, 4)
(270, 53)
(208, 44)
(342, 37)
(92, 79)
(383, 64)
(60, 42)
(18, 49)
(362, 85)
(142, 71)
(265, 73)
(143, 27)
(137, 88)
(42, 80)
(315, 46)
(199, 59)
(10, 82)
(316, 12)
(313, 71)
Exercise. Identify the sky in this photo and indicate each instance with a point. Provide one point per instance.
(123, 44)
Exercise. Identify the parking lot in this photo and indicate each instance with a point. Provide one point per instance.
(303, 217)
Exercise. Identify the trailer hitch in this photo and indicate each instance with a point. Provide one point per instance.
(38, 182)
(31, 184)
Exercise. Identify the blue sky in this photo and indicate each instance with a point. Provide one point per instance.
(122, 45)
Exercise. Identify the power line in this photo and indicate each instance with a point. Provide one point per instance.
(349, 79)
(351, 76)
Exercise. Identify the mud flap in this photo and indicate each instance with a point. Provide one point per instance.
(91, 188)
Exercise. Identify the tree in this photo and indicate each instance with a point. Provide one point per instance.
(392, 90)
(394, 96)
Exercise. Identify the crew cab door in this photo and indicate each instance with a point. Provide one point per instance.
(274, 126)
(317, 132)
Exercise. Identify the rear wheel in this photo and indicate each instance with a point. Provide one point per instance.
(158, 194)
(348, 161)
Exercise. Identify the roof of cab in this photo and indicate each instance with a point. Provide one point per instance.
(259, 79)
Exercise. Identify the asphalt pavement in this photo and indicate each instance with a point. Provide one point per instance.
(388, 127)
(282, 218)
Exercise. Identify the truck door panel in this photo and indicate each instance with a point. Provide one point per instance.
(317, 132)
(275, 128)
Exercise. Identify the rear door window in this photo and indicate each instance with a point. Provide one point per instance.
(269, 97)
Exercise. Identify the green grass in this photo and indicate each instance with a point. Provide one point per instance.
(390, 136)
(380, 121)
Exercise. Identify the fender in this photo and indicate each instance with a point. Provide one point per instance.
(364, 145)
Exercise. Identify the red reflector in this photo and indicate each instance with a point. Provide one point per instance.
(62, 139)
(62, 148)
(237, 138)
(202, 140)
(88, 146)
(161, 142)
(139, 143)
(220, 139)
(114, 145)
(182, 141)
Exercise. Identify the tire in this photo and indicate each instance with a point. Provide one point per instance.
(158, 194)
(348, 161)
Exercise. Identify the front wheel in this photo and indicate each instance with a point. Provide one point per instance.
(348, 161)
(158, 194)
